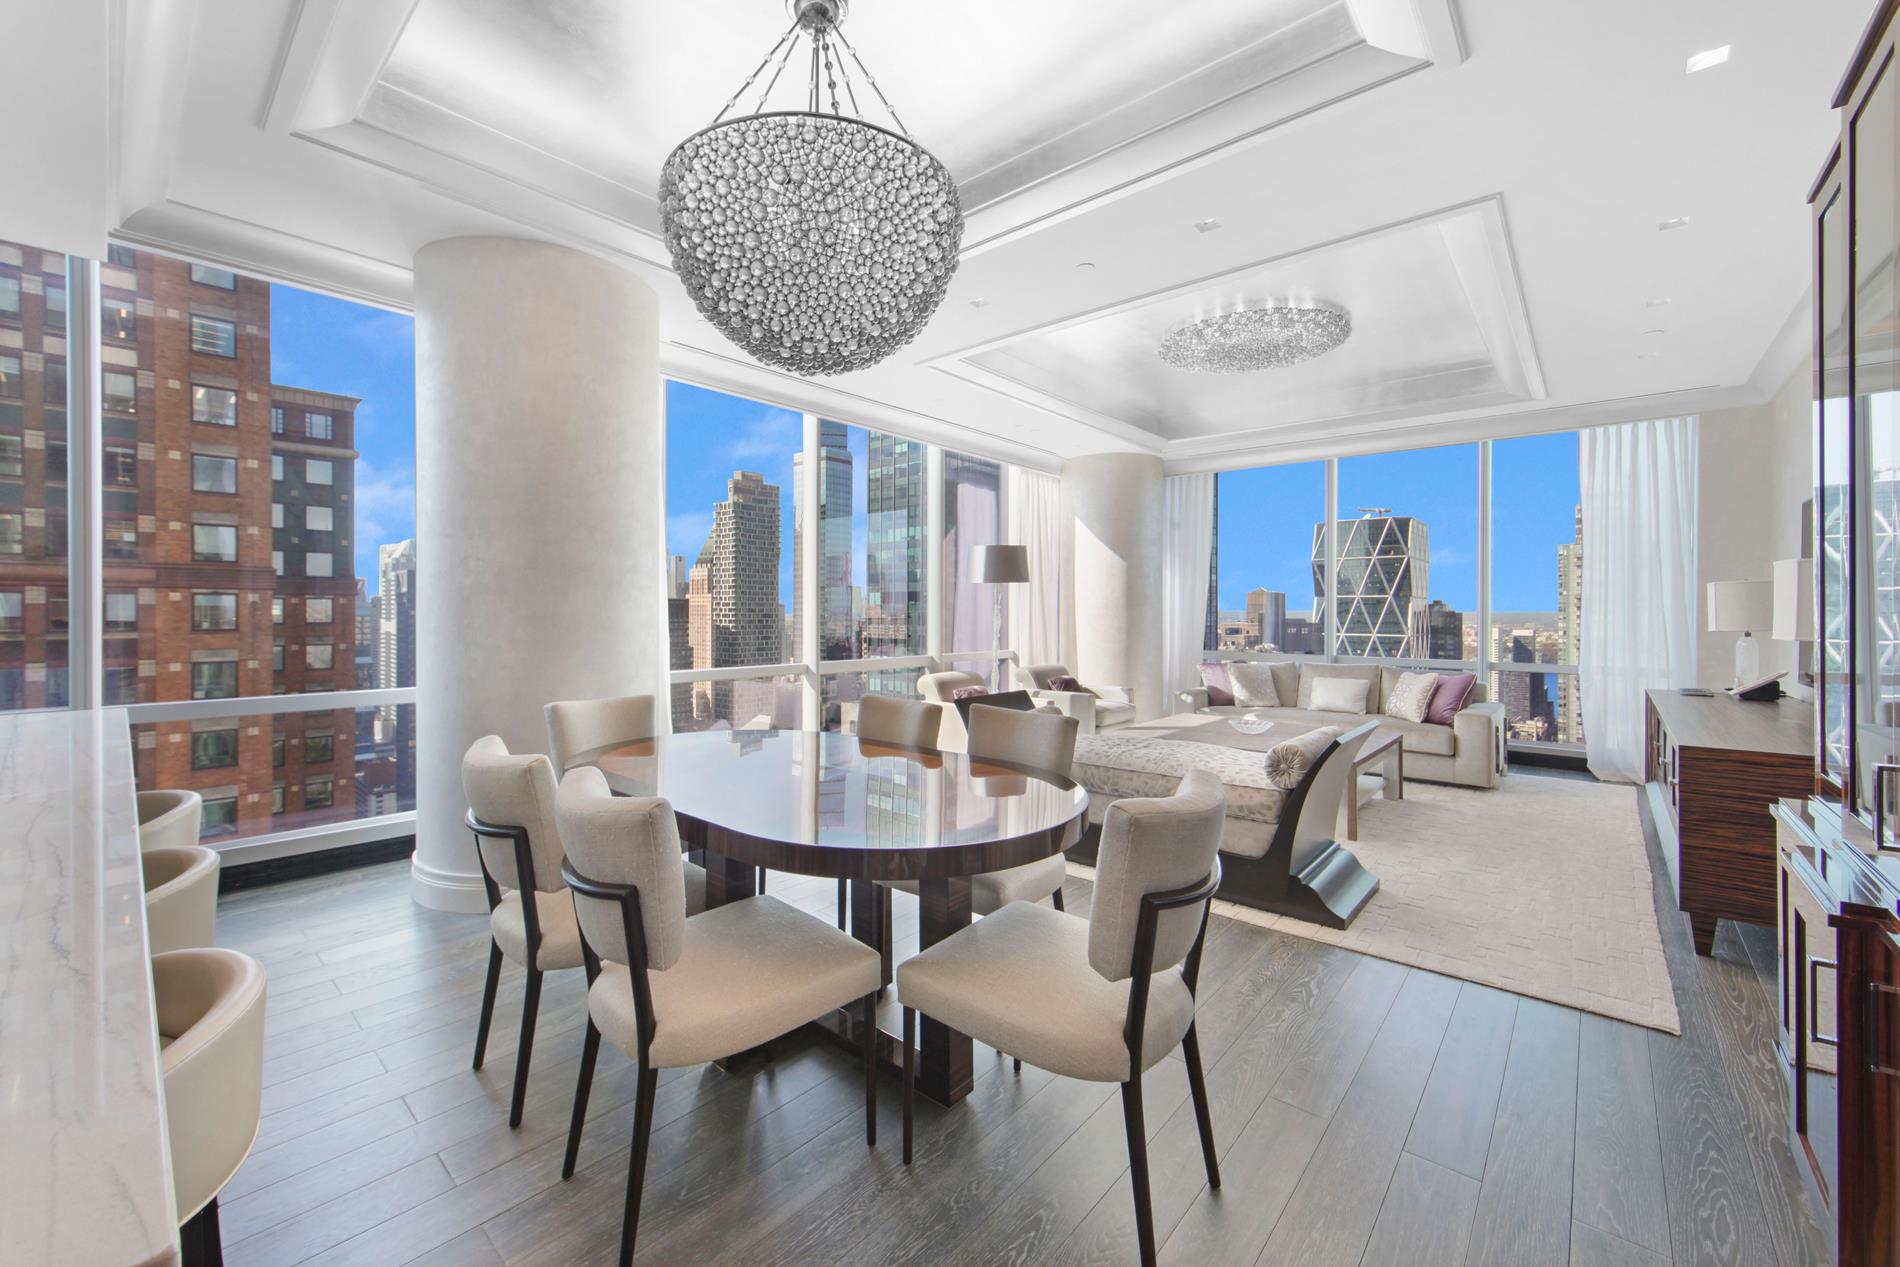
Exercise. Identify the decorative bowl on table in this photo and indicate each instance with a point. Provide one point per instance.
(1253, 723)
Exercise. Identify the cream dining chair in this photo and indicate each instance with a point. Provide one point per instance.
(210, 1009)
(672, 991)
(577, 726)
(1101, 999)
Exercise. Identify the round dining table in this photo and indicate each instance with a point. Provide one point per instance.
(826, 804)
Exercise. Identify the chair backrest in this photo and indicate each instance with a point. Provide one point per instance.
(575, 726)
(904, 722)
(624, 840)
(508, 790)
(169, 818)
(1326, 787)
(1036, 677)
(940, 688)
(181, 897)
(210, 1005)
(1153, 845)
(1041, 741)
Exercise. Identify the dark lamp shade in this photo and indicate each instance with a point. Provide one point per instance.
(999, 565)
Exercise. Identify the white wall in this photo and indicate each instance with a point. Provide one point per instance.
(1757, 467)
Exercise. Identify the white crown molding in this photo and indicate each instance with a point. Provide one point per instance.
(151, 51)
(1786, 353)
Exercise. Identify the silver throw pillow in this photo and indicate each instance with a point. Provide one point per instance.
(1290, 759)
(1253, 684)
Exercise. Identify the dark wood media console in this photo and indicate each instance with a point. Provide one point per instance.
(1716, 764)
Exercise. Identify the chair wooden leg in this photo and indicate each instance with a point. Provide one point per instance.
(844, 904)
(1138, 1168)
(637, 1162)
(488, 1002)
(761, 879)
(1056, 898)
(1019, 1065)
(910, 1073)
(590, 1049)
(886, 967)
(199, 1242)
(530, 1005)
(870, 1069)
(1197, 1084)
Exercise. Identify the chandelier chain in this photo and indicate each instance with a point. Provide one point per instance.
(872, 80)
(784, 61)
(783, 41)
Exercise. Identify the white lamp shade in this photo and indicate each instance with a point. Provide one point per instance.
(1741, 606)
(1794, 600)
(999, 565)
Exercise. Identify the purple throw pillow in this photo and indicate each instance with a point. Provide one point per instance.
(1218, 685)
(1063, 682)
(1452, 693)
(969, 692)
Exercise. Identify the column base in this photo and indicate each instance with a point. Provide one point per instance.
(446, 890)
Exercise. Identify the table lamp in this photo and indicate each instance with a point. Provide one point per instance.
(1742, 607)
(998, 566)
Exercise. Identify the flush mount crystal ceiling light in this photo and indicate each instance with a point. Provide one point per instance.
(1256, 339)
(813, 239)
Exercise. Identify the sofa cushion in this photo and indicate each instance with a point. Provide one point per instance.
(969, 692)
(1254, 685)
(1340, 695)
(1453, 692)
(1422, 737)
(1112, 713)
(1369, 674)
(1286, 681)
(1217, 683)
(1411, 695)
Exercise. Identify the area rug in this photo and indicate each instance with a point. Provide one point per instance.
(1541, 887)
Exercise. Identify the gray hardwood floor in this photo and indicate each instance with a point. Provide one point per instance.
(1366, 1113)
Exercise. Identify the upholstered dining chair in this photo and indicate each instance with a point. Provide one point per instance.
(669, 990)
(181, 897)
(169, 817)
(902, 723)
(576, 726)
(530, 914)
(1101, 999)
(210, 1007)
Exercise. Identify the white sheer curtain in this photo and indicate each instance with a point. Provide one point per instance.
(1187, 550)
(1639, 572)
(1035, 609)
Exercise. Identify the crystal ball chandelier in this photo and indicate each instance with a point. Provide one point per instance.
(1256, 339)
(813, 239)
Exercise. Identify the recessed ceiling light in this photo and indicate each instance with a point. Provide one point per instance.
(1206, 226)
(979, 303)
(1679, 222)
(1649, 356)
(1655, 303)
(1658, 330)
(1085, 266)
(1707, 58)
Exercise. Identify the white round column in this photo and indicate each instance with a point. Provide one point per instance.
(539, 452)
(1114, 502)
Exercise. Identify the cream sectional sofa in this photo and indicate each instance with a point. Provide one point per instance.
(1469, 752)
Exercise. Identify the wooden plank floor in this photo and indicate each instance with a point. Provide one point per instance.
(1366, 1113)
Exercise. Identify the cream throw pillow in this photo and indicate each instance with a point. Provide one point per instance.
(1290, 759)
(1411, 695)
(1340, 695)
(1253, 684)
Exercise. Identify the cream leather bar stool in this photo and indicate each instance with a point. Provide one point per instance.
(210, 1006)
(669, 990)
(530, 915)
(169, 817)
(577, 726)
(181, 897)
(1101, 999)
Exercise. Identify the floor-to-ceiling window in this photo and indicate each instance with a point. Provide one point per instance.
(1269, 594)
(975, 514)
(733, 521)
(1536, 586)
(34, 554)
(1406, 554)
(259, 556)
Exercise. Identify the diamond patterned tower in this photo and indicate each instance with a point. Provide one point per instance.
(1383, 583)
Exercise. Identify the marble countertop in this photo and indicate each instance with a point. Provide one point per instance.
(85, 1171)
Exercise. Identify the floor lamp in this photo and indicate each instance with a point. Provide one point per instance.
(998, 566)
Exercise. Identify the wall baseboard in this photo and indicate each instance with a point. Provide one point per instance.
(251, 875)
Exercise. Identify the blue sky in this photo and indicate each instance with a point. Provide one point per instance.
(709, 435)
(1267, 516)
(333, 345)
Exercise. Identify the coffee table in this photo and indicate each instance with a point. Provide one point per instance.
(1382, 751)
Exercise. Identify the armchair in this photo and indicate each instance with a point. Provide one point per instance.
(1093, 707)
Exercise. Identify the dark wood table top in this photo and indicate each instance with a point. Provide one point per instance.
(834, 805)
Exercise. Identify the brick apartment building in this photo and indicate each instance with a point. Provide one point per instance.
(228, 531)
